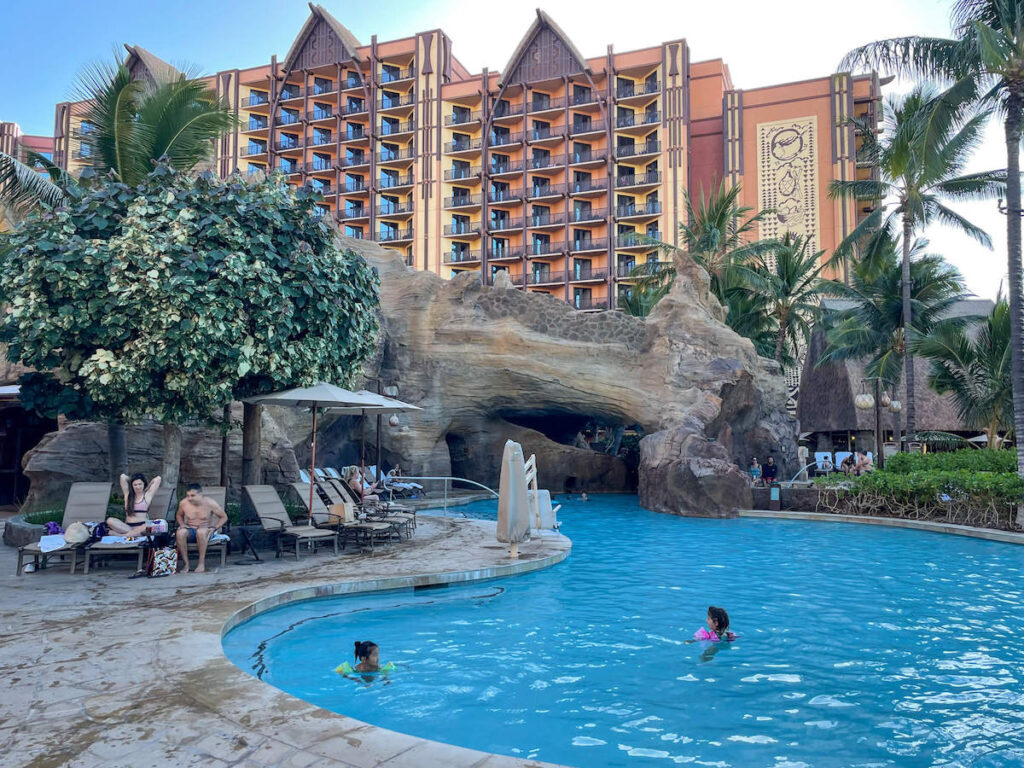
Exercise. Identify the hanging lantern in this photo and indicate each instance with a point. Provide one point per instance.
(391, 390)
(895, 406)
(393, 420)
(865, 401)
(885, 400)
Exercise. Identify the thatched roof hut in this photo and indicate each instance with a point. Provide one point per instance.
(825, 403)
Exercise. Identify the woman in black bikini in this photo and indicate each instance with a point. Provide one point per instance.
(137, 498)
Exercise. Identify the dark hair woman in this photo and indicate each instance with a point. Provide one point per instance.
(138, 495)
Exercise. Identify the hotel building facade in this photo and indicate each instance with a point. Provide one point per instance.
(558, 170)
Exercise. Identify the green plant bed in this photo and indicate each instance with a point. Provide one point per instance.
(44, 516)
(972, 459)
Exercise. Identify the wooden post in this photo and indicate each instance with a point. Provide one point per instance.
(252, 464)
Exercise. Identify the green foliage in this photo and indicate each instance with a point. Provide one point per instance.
(971, 460)
(44, 516)
(171, 298)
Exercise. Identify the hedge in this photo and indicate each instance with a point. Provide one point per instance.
(970, 459)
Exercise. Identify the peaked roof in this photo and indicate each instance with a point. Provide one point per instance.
(155, 69)
(542, 22)
(318, 13)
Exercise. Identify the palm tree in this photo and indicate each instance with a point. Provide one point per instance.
(132, 124)
(987, 51)
(925, 145)
(639, 300)
(973, 366)
(871, 327)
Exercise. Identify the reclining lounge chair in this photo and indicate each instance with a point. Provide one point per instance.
(274, 519)
(87, 502)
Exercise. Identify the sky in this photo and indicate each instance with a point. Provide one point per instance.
(45, 43)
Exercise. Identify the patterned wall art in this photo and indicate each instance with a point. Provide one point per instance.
(787, 177)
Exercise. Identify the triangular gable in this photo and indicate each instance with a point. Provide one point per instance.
(322, 40)
(544, 53)
(143, 65)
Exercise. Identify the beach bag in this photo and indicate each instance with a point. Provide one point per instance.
(163, 561)
(76, 533)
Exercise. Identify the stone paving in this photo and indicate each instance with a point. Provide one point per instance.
(100, 670)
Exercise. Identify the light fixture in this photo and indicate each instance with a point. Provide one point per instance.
(391, 390)
(393, 420)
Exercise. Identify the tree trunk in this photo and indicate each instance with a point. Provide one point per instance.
(879, 454)
(252, 464)
(1012, 125)
(908, 359)
(172, 460)
(780, 338)
(224, 446)
(117, 448)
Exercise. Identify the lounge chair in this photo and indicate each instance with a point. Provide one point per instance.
(403, 518)
(158, 511)
(87, 503)
(342, 519)
(274, 519)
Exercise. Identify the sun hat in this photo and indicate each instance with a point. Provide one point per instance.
(76, 533)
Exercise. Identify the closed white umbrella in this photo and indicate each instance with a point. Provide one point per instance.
(513, 507)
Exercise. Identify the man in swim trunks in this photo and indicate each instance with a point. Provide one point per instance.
(198, 519)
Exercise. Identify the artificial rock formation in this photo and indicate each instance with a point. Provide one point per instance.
(487, 363)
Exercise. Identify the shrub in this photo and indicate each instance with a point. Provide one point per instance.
(971, 459)
(44, 516)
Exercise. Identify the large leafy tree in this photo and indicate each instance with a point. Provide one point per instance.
(986, 50)
(171, 298)
(972, 365)
(926, 142)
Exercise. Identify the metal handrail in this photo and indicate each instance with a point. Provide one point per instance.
(447, 484)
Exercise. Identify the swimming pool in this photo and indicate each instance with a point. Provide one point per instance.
(859, 646)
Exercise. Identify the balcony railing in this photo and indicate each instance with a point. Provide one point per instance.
(505, 225)
(625, 270)
(395, 75)
(393, 129)
(540, 134)
(545, 249)
(645, 209)
(638, 179)
(637, 89)
(319, 114)
(647, 148)
(461, 119)
(320, 165)
(593, 185)
(551, 161)
(395, 102)
(592, 127)
(509, 110)
(454, 230)
(651, 267)
(462, 145)
(389, 155)
(390, 182)
(542, 105)
(354, 108)
(257, 125)
(352, 82)
(505, 252)
(462, 257)
(637, 240)
(504, 195)
(503, 140)
(354, 160)
(544, 277)
(289, 169)
(394, 209)
(288, 118)
(546, 220)
(319, 139)
(353, 213)
(644, 118)
(324, 189)
(579, 99)
(592, 214)
(590, 244)
(353, 186)
(291, 92)
(461, 201)
(283, 144)
(589, 303)
(580, 275)
(255, 100)
(497, 169)
(392, 235)
(545, 190)
(454, 174)
(322, 89)
(252, 150)
(354, 135)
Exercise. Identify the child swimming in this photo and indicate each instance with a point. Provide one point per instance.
(718, 627)
(368, 656)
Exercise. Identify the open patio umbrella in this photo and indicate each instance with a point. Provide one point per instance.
(513, 507)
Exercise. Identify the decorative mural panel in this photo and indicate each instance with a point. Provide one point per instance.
(547, 56)
(321, 47)
(787, 177)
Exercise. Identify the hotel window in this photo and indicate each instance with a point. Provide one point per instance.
(540, 215)
(623, 87)
(460, 194)
(500, 135)
(581, 269)
(582, 298)
(390, 99)
(355, 105)
(289, 116)
(499, 246)
(352, 80)
(389, 178)
(652, 231)
(256, 147)
(580, 152)
(389, 73)
(541, 158)
(353, 209)
(256, 122)
(254, 168)
(461, 114)
(388, 205)
(541, 272)
(500, 164)
(388, 230)
(651, 168)
(650, 143)
(500, 191)
(320, 185)
(322, 85)
(540, 244)
(460, 169)
(389, 152)
(321, 111)
(354, 156)
(625, 146)
(651, 113)
(627, 234)
(581, 94)
(258, 97)
(460, 251)
(289, 165)
(356, 232)
(321, 211)
(321, 162)
(502, 108)
(625, 291)
(625, 204)
(389, 125)
(541, 101)
(354, 131)
(353, 183)
(581, 123)
(541, 129)
(540, 185)
(581, 238)
(651, 83)
(580, 181)
(500, 219)
(290, 91)
(626, 265)
(624, 117)
(581, 210)
(288, 141)
(460, 141)
(460, 225)
(321, 136)
(495, 270)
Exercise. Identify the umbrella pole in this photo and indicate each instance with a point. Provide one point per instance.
(362, 457)
(312, 466)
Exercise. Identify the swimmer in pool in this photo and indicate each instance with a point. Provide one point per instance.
(718, 627)
(368, 658)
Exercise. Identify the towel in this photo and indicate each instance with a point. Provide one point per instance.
(118, 540)
(220, 537)
(52, 542)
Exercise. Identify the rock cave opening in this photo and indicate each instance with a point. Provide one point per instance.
(458, 452)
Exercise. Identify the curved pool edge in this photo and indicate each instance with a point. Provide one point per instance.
(990, 534)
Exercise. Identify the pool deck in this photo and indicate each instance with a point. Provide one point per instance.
(100, 670)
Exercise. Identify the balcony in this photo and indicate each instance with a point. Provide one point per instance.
(588, 275)
(462, 230)
(542, 163)
(546, 220)
(638, 179)
(256, 125)
(539, 192)
(394, 235)
(582, 99)
(546, 105)
(503, 169)
(288, 118)
(637, 89)
(289, 169)
(504, 253)
(639, 119)
(252, 150)
(319, 166)
(350, 214)
(462, 257)
(593, 186)
(395, 155)
(585, 158)
(319, 114)
(397, 75)
(353, 161)
(397, 129)
(504, 225)
(625, 271)
(354, 108)
(631, 211)
(462, 201)
(545, 134)
(588, 215)
(544, 250)
(504, 140)
(505, 196)
(588, 245)
(398, 102)
(456, 146)
(284, 145)
(460, 174)
(545, 277)
(394, 209)
(466, 118)
(353, 187)
(321, 139)
(638, 150)
(352, 82)
(589, 304)
(638, 240)
(510, 110)
(327, 190)
(323, 89)
(255, 100)
(394, 182)
(83, 153)
(354, 135)
(291, 91)
(581, 129)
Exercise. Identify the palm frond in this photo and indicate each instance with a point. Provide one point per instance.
(22, 188)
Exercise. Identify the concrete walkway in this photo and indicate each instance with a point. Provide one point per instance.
(100, 670)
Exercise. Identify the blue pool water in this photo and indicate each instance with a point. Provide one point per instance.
(858, 646)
